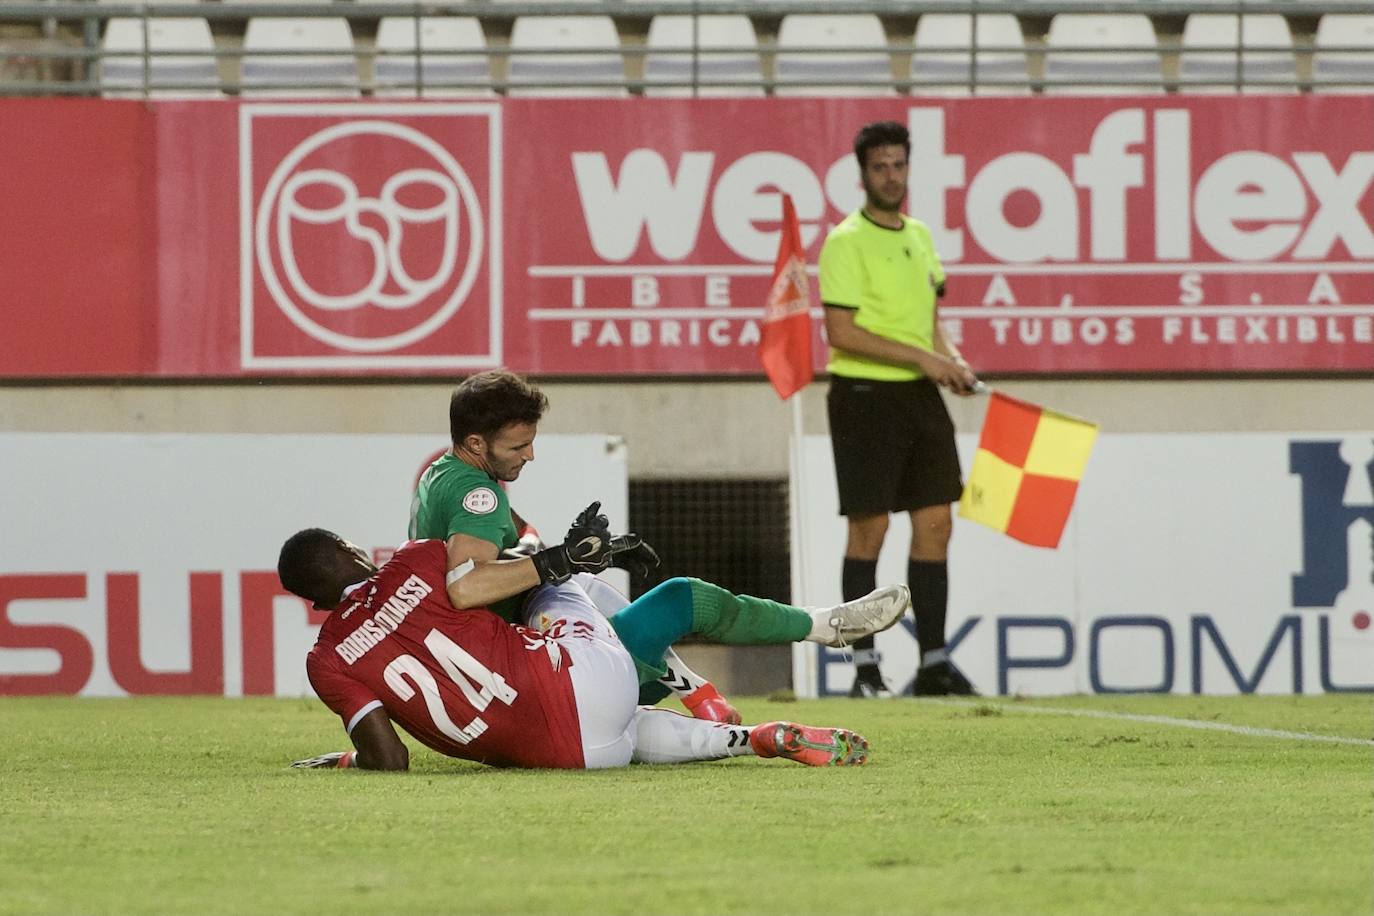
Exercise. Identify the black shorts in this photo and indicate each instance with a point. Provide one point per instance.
(894, 446)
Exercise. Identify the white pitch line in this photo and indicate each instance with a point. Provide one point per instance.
(1163, 720)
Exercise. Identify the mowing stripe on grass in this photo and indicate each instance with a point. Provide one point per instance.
(1161, 720)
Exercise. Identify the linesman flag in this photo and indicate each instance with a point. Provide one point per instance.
(1026, 470)
(785, 337)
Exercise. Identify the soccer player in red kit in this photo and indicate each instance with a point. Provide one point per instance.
(469, 685)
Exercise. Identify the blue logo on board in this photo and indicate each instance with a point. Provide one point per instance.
(1337, 493)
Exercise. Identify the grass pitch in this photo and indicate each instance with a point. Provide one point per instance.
(185, 806)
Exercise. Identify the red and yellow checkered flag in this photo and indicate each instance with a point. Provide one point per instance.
(1026, 471)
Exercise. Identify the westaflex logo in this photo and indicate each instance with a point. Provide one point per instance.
(1337, 575)
(370, 236)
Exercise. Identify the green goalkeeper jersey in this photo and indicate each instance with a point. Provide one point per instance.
(453, 497)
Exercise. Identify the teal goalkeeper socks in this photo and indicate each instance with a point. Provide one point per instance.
(683, 606)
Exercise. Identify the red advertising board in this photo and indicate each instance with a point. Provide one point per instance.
(1210, 234)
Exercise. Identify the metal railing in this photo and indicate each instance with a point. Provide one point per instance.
(67, 56)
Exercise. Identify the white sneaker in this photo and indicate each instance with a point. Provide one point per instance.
(840, 625)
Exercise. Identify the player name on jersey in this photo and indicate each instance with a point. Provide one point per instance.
(386, 620)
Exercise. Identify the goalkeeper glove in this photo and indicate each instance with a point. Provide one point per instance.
(640, 561)
(587, 548)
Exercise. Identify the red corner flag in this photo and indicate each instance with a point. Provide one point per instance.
(785, 338)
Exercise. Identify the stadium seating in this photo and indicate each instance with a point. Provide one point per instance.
(844, 72)
(312, 70)
(539, 57)
(1219, 70)
(943, 41)
(731, 56)
(783, 50)
(1329, 66)
(197, 74)
(1131, 65)
(397, 73)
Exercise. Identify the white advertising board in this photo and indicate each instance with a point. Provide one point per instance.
(1203, 563)
(146, 563)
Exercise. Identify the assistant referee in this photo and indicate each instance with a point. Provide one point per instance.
(893, 439)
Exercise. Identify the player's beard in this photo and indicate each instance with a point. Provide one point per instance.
(885, 202)
(507, 472)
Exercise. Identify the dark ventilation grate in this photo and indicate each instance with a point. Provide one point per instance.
(730, 532)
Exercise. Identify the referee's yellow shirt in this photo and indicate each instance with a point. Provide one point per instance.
(889, 277)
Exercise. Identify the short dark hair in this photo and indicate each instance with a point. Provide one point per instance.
(490, 401)
(307, 564)
(880, 133)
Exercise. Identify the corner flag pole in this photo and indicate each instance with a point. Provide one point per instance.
(785, 351)
(797, 476)
(804, 657)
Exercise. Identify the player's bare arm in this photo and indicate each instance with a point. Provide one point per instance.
(842, 332)
(945, 347)
(376, 747)
(588, 547)
(477, 576)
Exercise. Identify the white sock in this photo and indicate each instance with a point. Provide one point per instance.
(680, 679)
(821, 630)
(934, 657)
(663, 736)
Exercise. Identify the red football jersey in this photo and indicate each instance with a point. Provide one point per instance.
(464, 683)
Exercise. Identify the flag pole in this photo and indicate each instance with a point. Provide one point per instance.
(805, 657)
(797, 475)
(785, 343)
